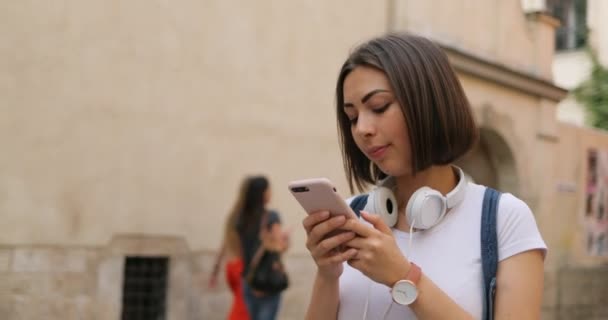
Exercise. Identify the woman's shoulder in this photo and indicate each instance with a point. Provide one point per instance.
(516, 226)
(273, 216)
(352, 198)
(507, 203)
(511, 203)
(511, 209)
(514, 213)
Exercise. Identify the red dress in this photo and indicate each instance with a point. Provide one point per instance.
(234, 269)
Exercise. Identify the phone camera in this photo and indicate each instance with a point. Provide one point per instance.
(299, 189)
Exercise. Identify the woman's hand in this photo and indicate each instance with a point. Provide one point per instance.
(324, 243)
(279, 239)
(378, 257)
(212, 283)
(286, 238)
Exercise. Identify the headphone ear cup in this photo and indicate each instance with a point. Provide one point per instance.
(425, 208)
(382, 201)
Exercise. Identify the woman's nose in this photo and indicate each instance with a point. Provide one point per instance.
(365, 125)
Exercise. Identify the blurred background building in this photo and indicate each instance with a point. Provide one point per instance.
(126, 127)
(582, 27)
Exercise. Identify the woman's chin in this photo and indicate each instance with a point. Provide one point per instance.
(393, 169)
(387, 170)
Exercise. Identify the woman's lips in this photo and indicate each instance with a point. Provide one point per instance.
(377, 152)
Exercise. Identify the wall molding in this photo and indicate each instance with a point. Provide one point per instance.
(502, 75)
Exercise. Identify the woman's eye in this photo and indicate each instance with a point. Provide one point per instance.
(382, 109)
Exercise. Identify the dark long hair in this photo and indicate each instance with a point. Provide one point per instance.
(438, 117)
(253, 206)
(231, 234)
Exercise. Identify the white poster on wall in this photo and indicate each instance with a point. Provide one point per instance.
(596, 203)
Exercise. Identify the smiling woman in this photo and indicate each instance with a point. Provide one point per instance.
(412, 77)
(403, 121)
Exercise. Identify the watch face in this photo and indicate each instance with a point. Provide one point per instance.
(404, 292)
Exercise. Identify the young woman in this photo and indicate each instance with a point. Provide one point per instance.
(254, 215)
(403, 120)
(231, 250)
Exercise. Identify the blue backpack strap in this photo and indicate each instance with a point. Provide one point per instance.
(358, 204)
(489, 250)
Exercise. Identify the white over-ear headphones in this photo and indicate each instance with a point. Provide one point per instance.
(425, 208)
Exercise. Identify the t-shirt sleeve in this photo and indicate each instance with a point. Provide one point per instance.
(273, 217)
(349, 200)
(517, 229)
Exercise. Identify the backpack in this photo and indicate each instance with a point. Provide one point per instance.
(489, 244)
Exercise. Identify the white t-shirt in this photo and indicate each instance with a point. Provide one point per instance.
(449, 254)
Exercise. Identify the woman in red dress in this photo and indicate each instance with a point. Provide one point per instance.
(231, 250)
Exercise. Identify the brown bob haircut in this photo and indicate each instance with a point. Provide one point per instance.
(437, 113)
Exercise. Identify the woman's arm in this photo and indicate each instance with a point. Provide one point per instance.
(518, 294)
(433, 303)
(519, 286)
(216, 266)
(381, 260)
(280, 237)
(324, 299)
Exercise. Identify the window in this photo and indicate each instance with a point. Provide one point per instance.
(572, 14)
(145, 288)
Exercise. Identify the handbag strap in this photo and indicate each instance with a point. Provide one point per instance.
(260, 251)
(489, 249)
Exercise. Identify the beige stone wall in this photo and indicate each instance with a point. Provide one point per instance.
(587, 297)
(572, 165)
(498, 31)
(47, 283)
(500, 110)
(143, 116)
(576, 282)
(44, 282)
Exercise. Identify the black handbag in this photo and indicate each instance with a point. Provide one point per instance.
(269, 275)
(267, 272)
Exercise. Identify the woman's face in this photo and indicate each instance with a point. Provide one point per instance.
(267, 195)
(377, 122)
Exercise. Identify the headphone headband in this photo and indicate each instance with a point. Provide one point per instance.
(455, 197)
(426, 206)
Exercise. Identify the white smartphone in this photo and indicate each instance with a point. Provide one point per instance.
(320, 194)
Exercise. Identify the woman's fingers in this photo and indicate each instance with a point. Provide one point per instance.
(320, 230)
(357, 242)
(376, 221)
(325, 238)
(330, 244)
(358, 227)
(338, 257)
(313, 219)
(356, 263)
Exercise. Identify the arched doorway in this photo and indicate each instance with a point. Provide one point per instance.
(491, 162)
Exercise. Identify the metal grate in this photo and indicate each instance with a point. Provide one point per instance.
(144, 289)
